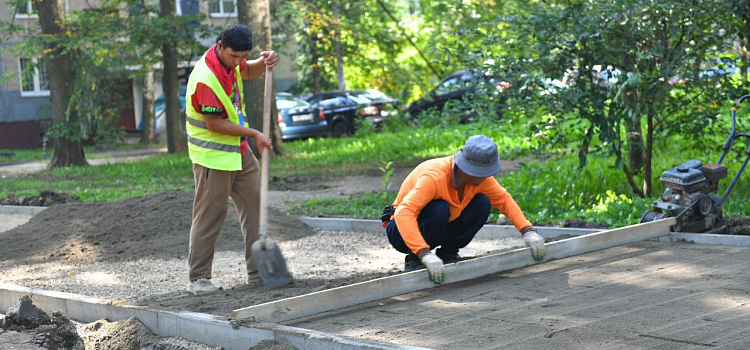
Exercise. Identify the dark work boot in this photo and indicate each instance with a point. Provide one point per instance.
(412, 263)
(447, 256)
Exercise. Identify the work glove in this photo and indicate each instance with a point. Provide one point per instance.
(434, 267)
(536, 242)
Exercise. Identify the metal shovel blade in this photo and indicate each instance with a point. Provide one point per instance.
(271, 264)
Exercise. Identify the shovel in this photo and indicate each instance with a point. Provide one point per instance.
(265, 251)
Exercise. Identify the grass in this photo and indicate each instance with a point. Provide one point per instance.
(405, 147)
(322, 158)
(109, 182)
(37, 154)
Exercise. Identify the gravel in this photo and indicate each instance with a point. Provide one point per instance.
(324, 255)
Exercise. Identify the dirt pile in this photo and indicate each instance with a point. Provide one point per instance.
(127, 334)
(155, 226)
(54, 333)
(44, 199)
(569, 223)
(738, 225)
(60, 333)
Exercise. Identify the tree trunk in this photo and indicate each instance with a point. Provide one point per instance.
(148, 134)
(68, 148)
(176, 138)
(314, 62)
(647, 186)
(635, 143)
(337, 46)
(256, 15)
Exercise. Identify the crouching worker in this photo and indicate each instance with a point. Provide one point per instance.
(445, 201)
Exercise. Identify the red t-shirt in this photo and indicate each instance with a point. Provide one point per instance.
(204, 99)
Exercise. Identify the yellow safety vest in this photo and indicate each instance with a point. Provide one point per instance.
(211, 149)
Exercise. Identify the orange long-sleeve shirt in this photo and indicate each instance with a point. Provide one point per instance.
(431, 180)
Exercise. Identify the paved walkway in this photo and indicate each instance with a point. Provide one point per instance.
(647, 295)
(20, 169)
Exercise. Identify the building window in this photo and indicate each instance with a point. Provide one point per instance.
(222, 8)
(156, 6)
(33, 77)
(26, 10)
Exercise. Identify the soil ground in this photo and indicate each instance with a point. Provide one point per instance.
(106, 249)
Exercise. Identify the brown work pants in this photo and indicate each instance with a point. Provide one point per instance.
(212, 191)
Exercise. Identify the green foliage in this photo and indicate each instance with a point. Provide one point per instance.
(387, 171)
(556, 189)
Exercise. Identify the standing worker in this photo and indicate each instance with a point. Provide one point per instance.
(217, 142)
(445, 201)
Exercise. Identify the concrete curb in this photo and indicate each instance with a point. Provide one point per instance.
(20, 209)
(202, 328)
(506, 231)
(706, 238)
(487, 232)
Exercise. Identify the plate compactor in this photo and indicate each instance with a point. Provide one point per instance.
(691, 196)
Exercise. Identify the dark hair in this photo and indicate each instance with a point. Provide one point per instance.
(237, 37)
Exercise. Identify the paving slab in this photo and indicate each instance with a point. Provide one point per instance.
(646, 295)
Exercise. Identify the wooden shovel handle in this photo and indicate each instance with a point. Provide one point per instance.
(265, 154)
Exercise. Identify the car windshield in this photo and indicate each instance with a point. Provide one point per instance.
(374, 95)
(361, 99)
(285, 103)
(337, 101)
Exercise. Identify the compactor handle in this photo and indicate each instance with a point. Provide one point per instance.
(733, 135)
(728, 145)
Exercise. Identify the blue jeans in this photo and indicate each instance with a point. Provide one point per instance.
(437, 231)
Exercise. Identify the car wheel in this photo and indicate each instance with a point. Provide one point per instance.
(340, 129)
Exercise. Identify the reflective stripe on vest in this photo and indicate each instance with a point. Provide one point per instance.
(214, 145)
(211, 149)
(197, 123)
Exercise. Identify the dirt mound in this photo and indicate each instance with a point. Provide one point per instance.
(577, 223)
(53, 333)
(738, 225)
(44, 199)
(25, 315)
(156, 226)
(59, 332)
(127, 334)
(569, 223)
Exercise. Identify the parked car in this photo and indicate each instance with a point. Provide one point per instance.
(160, 110)
(344, 109)
(377, 105)
(453, 88)
(298, 119)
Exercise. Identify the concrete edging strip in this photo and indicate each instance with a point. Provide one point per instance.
(202, 328)
(706, 238)
(20, 209)
(386, 287)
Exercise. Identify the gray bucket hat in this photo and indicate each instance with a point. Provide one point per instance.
(478, 157)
